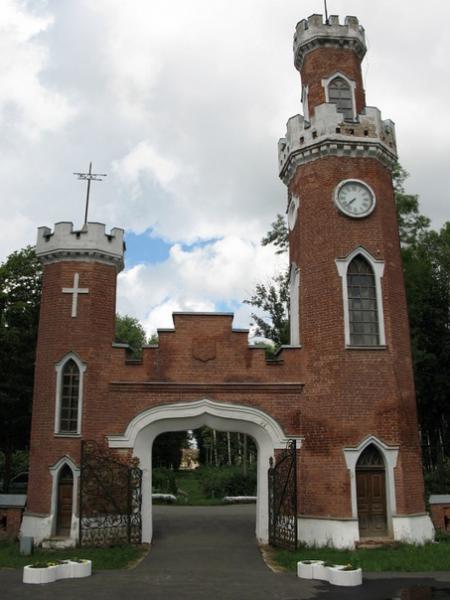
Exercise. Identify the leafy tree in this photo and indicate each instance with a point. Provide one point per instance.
(20, 291)
(224, 448)
(130, 331)
(426, 262)
(168, 449)
(273, 299)
(411, 224)
(278, 235)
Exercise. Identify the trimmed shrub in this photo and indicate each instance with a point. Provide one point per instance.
(218, 482)
(163, 481)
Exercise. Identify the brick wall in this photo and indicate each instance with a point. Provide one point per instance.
(322, 63)
(10, 519)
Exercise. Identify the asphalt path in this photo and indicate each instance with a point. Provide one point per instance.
(201, 553)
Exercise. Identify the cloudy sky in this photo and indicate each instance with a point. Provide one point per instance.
(181, 104)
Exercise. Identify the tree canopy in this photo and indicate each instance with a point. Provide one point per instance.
(20, 291)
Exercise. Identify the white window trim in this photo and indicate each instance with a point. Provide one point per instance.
(305, 102)
(294, 316)
(351, 83)
(59, 370)
(55, 471)
(292, 212)
(390, 456)
(342, 265)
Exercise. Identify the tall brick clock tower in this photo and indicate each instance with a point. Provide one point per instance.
(360, 469)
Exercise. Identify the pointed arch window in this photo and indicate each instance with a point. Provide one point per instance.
(341, 94)
(68, 420)
(69, 393)
(361, 276)
(362, 303)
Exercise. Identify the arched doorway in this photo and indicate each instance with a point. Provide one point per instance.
(65, 498)
(371, 493)
(145, 427)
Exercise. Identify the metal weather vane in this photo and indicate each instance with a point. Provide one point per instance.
(89, 176)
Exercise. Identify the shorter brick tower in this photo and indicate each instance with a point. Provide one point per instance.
(76, 330)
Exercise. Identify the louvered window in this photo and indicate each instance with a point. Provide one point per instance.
(340, 93)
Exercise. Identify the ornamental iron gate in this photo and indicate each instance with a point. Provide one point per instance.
(110, 498)
(283, 498)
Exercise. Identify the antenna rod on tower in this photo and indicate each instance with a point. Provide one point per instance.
(89, 176)
(326, 12)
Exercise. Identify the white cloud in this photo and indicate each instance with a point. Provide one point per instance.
(224, 271)
(144, 160)
(182, 105)
(25, 103)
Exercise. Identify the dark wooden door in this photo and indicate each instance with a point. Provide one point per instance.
(371, 490)
(65, 491)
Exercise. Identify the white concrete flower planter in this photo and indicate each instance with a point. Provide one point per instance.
(81, 569)
(336, 574)
(320, 571)
(66, 570)
(340, 576)
(40, 575)
(305, 568)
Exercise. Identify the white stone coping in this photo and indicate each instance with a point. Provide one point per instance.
(304, 138)
(239, 499)
(13, 500)
(440, 499)
(314, 31)
(91, 242)
(165, 497)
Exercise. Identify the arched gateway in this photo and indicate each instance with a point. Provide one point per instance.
(145, 427)
(343, 383)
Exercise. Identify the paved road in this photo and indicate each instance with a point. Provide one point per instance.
(211, 554)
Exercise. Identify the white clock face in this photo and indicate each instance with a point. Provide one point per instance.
(354, 198)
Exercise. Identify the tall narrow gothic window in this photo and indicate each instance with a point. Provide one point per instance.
(362, 303)
(70, 391)
(340, 93)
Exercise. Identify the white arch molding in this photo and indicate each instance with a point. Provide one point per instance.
(145, 427)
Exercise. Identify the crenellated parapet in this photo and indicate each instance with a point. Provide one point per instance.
(91, 243)
(314, 32)
(328, 134)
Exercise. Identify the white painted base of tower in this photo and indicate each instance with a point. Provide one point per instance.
(40, 527)
(313, 531)
(413, 529)
(343, 533)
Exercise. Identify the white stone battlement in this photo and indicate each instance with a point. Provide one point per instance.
(314, 31)
(92, 242)
(327, 134)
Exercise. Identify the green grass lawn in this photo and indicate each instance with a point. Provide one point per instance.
(116, 557)
(400, 557)
(189, 483)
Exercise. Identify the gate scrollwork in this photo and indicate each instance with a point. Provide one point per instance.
(283, 498)
(110, 498)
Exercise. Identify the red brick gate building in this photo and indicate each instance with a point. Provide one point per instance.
(343, 388)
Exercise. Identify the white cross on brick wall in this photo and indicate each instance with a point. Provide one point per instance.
(75, 290)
